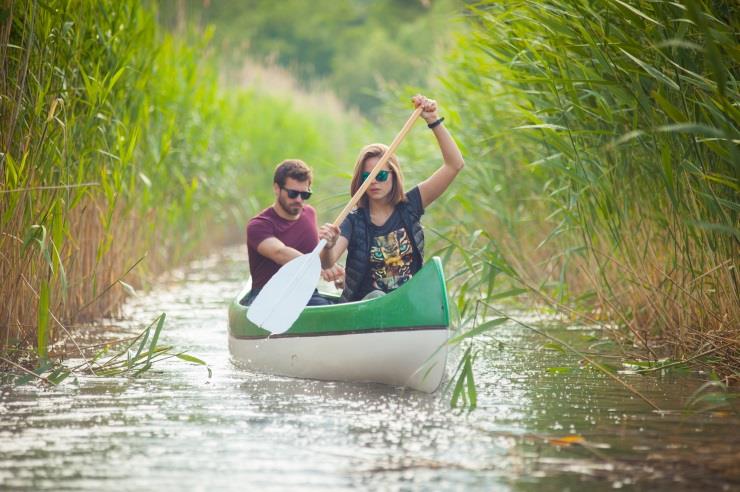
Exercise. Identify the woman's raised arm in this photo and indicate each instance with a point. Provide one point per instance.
(436, 184)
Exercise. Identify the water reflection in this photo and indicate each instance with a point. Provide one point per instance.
(176, 427)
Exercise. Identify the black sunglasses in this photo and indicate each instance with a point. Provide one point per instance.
(294, 193)
(381, 177)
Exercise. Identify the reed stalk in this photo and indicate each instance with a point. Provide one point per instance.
(119, 142)
(603, 145)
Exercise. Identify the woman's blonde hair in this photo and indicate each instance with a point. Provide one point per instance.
(397, 193)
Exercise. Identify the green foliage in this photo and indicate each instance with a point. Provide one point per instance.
(126, 358)
(355, 47)
(711, 396)
(482, 328)
(42, 332)
(604, 135)
(118, 142)
(464, 392)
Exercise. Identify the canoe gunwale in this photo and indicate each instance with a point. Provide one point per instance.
(340, 333)
(421, 303)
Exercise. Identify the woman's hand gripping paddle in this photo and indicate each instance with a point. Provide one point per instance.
(283, 298)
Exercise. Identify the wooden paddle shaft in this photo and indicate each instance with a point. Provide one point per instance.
(364, 186)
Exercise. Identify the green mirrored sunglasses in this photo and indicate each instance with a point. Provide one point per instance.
(381, 177)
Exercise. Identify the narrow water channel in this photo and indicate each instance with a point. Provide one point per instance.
(174, 427)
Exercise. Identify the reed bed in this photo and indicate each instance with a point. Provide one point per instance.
(603, 147)
(121, 156)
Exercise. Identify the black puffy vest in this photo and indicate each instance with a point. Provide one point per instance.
(358, 251)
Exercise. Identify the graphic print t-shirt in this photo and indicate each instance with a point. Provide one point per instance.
(391, 259)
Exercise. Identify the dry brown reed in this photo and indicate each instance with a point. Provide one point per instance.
(668, 312)
(91, 273)
(117, 143)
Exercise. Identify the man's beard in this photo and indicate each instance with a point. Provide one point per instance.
(290, 209)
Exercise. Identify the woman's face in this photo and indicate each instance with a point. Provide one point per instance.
(379, 190)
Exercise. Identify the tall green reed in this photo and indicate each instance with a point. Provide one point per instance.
(603, 156)
(119, 143)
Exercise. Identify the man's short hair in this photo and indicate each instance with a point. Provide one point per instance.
(292, 168)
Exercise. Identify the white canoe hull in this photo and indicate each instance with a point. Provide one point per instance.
(413, 358)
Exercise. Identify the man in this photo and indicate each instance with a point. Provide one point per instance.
(285, 230)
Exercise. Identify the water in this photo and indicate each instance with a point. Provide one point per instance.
(176, 427)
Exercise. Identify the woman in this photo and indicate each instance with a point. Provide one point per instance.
(383, 235)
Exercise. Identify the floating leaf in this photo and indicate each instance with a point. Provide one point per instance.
(553, 346)
(484, 327)
(567, 440)
(195, 360)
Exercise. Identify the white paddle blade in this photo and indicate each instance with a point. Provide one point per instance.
(283, 298)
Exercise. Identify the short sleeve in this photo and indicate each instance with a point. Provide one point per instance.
(413, 199)
(345, 229)
(259, 229)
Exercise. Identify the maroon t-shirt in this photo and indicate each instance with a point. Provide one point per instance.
(301, 234)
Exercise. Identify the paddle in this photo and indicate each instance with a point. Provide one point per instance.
(283, 298)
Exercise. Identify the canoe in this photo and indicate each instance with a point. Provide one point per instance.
(398, 339)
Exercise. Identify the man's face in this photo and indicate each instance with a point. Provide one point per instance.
(291, 206)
